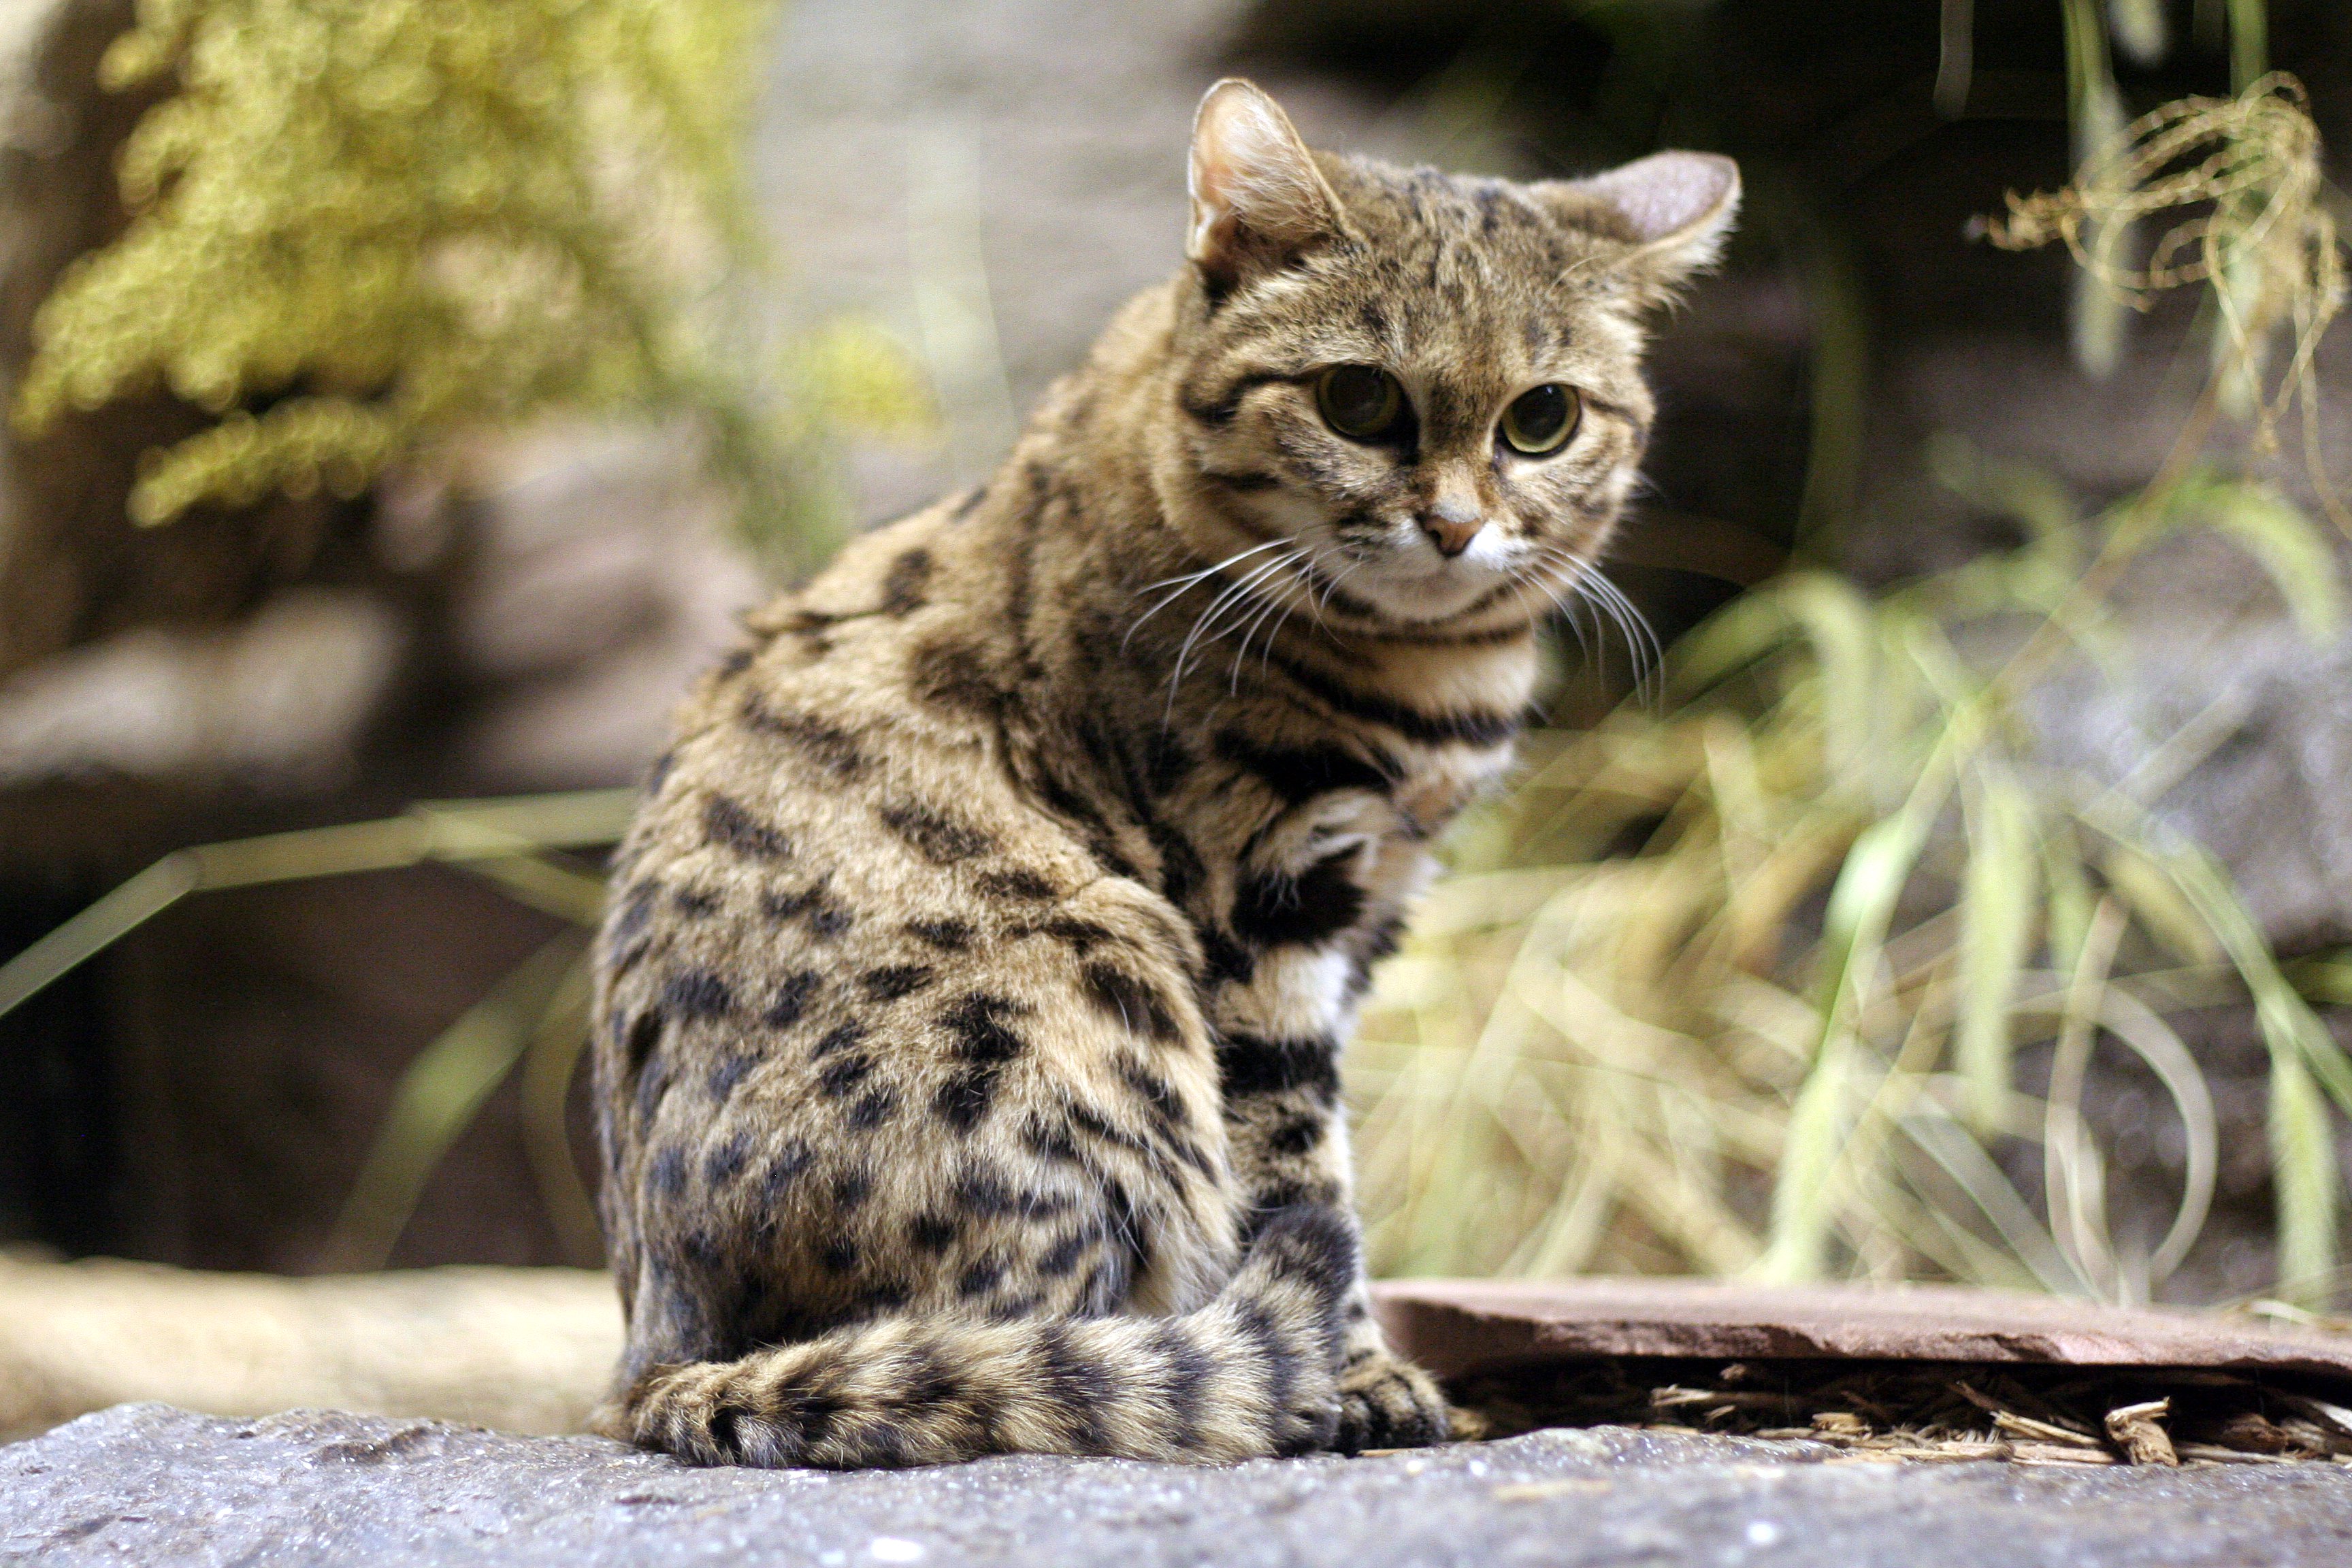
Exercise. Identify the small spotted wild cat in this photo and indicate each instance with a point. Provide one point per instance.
(971, 999)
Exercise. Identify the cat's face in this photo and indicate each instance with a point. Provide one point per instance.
(1422, 395)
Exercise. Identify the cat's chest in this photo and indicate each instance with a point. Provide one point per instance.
(1317, 883)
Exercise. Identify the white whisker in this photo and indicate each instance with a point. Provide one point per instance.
(1183, 585)
(1201, 627)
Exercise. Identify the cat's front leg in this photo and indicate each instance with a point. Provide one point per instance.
(1288, 1143)
(1386, 1401)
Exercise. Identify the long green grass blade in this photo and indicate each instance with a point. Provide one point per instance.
(1861, 902)
(2302, 1169)
(1998, 896)
(501, 839)
(438, 1099)
(2250, 42)
(116, 915)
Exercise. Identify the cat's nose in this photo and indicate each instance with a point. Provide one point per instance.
(1452, 524)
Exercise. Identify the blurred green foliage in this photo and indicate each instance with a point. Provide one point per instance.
(360, 223)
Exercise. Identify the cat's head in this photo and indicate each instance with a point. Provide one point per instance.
(1427, 387)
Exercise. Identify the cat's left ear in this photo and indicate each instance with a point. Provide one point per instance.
(1258, 200)
(1674, 209)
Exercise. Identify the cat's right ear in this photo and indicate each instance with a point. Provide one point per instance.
(1258, 201)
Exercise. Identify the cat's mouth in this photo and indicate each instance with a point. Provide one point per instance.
(1410, 582)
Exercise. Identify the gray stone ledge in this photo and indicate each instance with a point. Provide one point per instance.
(147, 1483)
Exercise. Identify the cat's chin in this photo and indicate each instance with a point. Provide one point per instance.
(1429, 596)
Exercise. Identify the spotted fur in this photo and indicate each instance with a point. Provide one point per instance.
(968, 1014)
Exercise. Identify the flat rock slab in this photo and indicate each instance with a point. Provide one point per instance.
(147, 1483)
(1455, 1327)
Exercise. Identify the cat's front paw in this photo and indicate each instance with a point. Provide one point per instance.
(1388, 1403)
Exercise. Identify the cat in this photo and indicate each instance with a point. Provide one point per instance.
(968, 1006)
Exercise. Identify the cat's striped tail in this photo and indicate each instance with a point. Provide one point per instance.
(1252, 1373)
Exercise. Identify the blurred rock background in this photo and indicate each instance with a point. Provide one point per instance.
(988, 180)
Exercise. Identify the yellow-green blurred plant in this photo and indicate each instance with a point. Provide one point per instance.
(361, 223)
(1736, 986)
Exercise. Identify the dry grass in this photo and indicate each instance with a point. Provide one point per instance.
(1737, 984)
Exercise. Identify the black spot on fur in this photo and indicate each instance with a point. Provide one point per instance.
(1224, 960)
(934, 1233)
(636, 908)
(726, 822)
(1181, 870)
(983, 1042)
(832, 748)
(852, 1188)
(904, 586)
(1215, 407)
(637, 1042)
(873, 1111)
(784, 1170)
(1097, 1126)
(947, 935)
(1189, 1370)
(1155, 1091)
(838, 1037)
(950, 674)
(793, 994)
(1016, 882)
(730, 1072)
(1081, 936)
(1299, 774)
(813, 906)
(697, 995)
(964, 1098)
(1135, 1003)
(1167, 762)
(839, 1256)
(976, 1022)
(970, 502)
(727, 1161)
(985, 1193)
(1295, 1136)
(1248, 1065)
(844, 1074)
(1272, 910)
(1081, 1386)
(1060, 1259)
(667, 1172)
(1048, 1142)
(1246, 482)
(1314, 1242)
(934, 837)
(981, 1278)
(693, 904)
(898, 980)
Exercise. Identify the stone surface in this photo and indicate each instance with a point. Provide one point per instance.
(150, 1484)
(1459, 1326)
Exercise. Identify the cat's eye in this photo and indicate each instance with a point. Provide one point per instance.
(1361, 401)
(1539, 422)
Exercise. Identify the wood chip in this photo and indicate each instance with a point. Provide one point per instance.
(2254, 1433)
(2214, 1454)
(2026, 1426)
(2058, 1454)
(2137, 1430)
